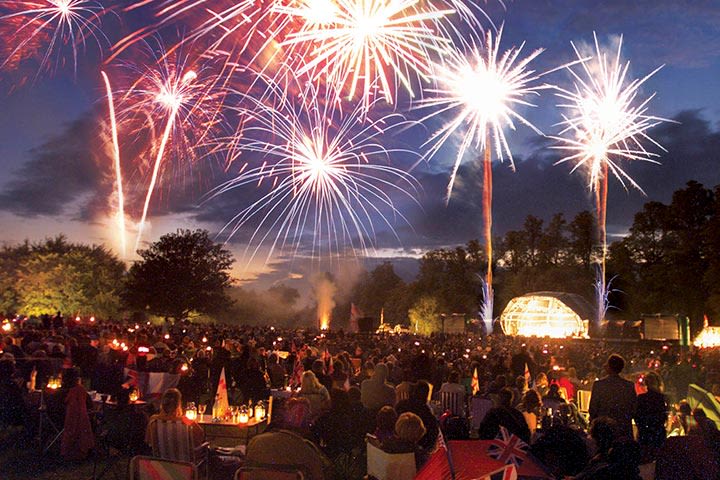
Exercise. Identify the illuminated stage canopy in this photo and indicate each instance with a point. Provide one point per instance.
(709, 337)
(546, 314)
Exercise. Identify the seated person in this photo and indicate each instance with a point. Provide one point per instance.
(417, 404)
(13, 410)
(281, 444)
(385, 421)
(78, 437)
(171, 409)
(504, 415)
(409, 429)
(125, 426)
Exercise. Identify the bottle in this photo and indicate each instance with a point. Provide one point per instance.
(216, 408)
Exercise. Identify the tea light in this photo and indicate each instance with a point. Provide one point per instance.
(243, 417)
(134, 395)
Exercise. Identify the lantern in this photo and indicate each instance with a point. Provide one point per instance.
(134, 395)
(260, 411)
(244, 416)
(191, 411)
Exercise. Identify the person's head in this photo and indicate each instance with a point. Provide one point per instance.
(531, 400)
(615, 364)
(625, 456)
(421, 391)
(684, 408)
(354, 394)
(541, 379)
(520, 383)
(123, 397)
(409, 427)
(171, 403)
(603, 431)
(653, 382)
(318, 367)
(386, 418)
(554, 391)
(454, 377)
(506, 397)
(70, 377)
(340, 402)
(309, 383)
(381, 372)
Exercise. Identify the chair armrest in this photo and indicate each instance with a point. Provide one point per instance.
(202, 450)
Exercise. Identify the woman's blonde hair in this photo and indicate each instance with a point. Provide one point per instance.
(409, 427)
(171, 402)
(309, 383)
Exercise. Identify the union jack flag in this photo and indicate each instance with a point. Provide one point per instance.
(508, 448)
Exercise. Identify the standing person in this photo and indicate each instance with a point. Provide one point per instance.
(375, 391)
(614, 397)
(652, 410)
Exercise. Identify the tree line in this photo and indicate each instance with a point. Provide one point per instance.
(669, 262)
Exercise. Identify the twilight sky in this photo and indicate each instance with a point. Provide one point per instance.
(56, 169)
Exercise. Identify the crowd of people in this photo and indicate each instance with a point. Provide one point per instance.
(343, 387)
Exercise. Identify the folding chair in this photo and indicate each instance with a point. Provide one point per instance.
(454, 402)
(479, 406)
(583, 401)
(388, 466)
(172, 440)
(152, 468)
(269, 472)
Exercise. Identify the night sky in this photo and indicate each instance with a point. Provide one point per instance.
(53, 179)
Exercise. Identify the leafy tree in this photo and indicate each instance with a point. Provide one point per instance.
(58, 275)
(583, 235)
(425, 316)
(180, 273)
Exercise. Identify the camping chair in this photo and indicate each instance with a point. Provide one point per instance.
(388, 466)
(151, 468)
(583, 401)
(454, 402)
(268, 472)
(479, 406)
(172, 440)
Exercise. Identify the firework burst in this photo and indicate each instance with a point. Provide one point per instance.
(371, 46)
(325, 175)
(481, 92)
(605, 123)
(177, 105)
(56, 23)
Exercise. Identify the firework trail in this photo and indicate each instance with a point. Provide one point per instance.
(366, 45)
(605, 122)
(184, 98)
(118, 169)
(482, 90)
(58, 23)
(326, 175)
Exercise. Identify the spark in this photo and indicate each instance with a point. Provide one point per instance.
(605, 123)
(366, 45)
(59, 23)
(327, 176)
(118, 170)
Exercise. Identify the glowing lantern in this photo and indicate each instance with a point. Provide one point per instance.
(260, 411)
(244, 416)
(92, 319)
(134, 395)
(191, 411)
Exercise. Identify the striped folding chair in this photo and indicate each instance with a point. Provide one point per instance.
(151, 468)
(583, 401)
(172, 440)
(453, 402)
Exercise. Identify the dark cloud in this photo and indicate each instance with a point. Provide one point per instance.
(63, 176)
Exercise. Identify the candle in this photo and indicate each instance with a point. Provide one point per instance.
(244, 416)
(191, 411)
(134, 396)
(259, 411)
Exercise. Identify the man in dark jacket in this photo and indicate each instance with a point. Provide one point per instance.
(614, 397)
(504, 415)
